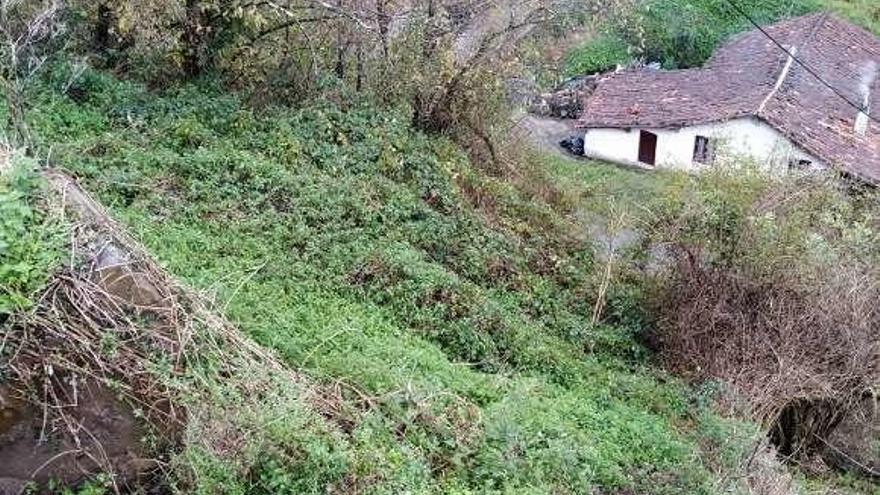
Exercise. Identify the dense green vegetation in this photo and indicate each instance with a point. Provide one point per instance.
(449, 320)
(599, 55)
(30, 238)
(684, 33)
(371, 255)
(862, 12)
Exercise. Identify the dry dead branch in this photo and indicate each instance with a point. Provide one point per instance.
(796, 335)
(113, 322)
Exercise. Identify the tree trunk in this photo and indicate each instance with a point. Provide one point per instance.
(340, 59)
(341, 45)
(193, 39)
(360, 67)
(383, 20)
(430, 41)
(16, 120)
(101, 36)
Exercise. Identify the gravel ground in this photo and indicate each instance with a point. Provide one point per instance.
(546, 132)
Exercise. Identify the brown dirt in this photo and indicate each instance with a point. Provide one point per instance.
(33, 449)
(61, 417)
(853, 445)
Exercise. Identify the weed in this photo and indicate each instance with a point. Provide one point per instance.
(30, 238)
(453, 344)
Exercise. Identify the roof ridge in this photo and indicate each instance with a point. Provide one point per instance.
(820, 23)
(792, 52)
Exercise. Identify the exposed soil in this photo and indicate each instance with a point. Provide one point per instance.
(100, 434)
(853, 444)
(68, 427)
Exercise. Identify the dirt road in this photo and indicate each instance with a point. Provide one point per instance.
(545, 133)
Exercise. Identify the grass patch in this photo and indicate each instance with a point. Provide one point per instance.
(449, 310)
(31, 239)
(601, 54)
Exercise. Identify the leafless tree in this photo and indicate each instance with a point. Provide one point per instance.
(27, 29)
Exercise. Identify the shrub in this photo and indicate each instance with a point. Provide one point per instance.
(684, 33)
(771, 287)
(599, 55)
(30, 240)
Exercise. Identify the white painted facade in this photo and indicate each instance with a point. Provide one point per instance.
(746, 137)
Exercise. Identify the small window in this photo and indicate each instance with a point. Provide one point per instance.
(799, 164)
(704, 151)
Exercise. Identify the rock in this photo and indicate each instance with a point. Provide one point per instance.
(521, 91)
(114, 270)
(115, 273)
(566, 102)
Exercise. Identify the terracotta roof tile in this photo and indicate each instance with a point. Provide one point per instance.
(742, 74)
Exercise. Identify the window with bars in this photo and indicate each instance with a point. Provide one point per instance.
(704, 150)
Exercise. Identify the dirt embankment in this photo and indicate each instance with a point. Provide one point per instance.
(33, 450)
(66, 411)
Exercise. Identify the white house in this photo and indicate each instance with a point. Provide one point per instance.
(751, 99)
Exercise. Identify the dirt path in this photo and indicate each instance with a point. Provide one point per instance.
(546, 132)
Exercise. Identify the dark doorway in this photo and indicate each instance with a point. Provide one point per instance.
(647, 147)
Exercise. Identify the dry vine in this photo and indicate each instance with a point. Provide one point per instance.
(139, 342)
(796, 335)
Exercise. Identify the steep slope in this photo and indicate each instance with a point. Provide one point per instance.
(117, 379)
(444, 314)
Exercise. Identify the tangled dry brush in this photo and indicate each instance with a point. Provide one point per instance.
(774, 290)
(116, 349)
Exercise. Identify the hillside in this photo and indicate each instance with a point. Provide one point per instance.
(239, 280)
(444, 313)
(448, 310)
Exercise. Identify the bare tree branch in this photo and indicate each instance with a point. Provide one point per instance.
(26, 29)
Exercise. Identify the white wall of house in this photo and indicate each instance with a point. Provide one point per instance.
(742, 137)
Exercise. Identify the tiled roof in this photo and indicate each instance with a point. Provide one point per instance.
(740, 80)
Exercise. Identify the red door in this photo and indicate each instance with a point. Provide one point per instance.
(647, 147)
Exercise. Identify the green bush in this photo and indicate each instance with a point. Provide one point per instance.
(30, 239)
(554, 440)
(598, 55)
(684, 33)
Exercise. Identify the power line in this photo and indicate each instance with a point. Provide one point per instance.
(803, 64)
